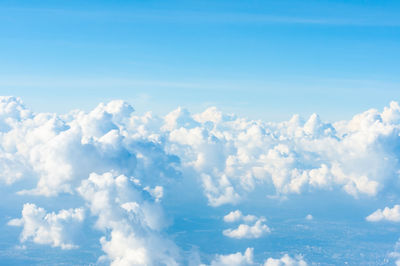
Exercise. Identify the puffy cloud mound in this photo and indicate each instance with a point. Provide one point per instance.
(286, 260)
(62, 150)
(247, 258)
(387, 214)
(235, 259)
(127, 167)
(257, 230)
(237, 215)
(131, 223)
(48, 228)
(229, 155)
(233, 155)
(11, 111)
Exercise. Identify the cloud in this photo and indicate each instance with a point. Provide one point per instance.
(286, 260)
(60, 151)
(247, 258)
(237, 215)
(48, 228)
(157, 192)
(131, 224)
(396, 253)
(257, 230)
(294, 156)
(12, 110)
(230, 155)
(130, 170)
(235, 259)
(233, 216)
(387, 214)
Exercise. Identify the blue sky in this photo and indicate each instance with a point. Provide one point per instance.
(263, 59)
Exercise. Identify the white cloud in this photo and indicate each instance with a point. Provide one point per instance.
(132, 222)
(231, 158)
(286, 260)
(233, 216)
(396, 253)
(48, 228)
(157, 192)
(247, 258)
(235, 259)
(234, 155)
(309, 217)
(256, 230)
(11, 111)
(60, 151)
(237, 215)
(231, 155)
(387, 214)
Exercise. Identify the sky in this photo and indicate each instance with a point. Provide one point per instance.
(263, 59)
(212, 133)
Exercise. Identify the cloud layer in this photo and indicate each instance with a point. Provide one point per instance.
(125, 170)
(48, 228)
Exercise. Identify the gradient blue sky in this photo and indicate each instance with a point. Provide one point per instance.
(262, 59)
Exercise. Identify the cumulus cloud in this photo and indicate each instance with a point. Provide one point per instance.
(157, 192)
(131, 223)
(387, 214)
(286, 260)
(247, 258)
(233, 216)
(124, 167)
(237, 215)
(248, 231)
(294, 156)
(62, 150)
(256, 230)
(48, 228)
(229, 155)
(235, 259)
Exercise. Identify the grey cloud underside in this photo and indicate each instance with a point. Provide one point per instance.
(122, 165)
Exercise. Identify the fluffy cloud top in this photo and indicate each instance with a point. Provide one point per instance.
(256, 230)
(229, 155)
(286, 260)
(233, 155)
(126, 166)
(48, 228)
(247, 259)
(248, 231)
(132, 223)
(235, 259)
(387, 214)
(237, 215)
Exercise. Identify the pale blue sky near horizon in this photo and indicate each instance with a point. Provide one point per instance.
(260, 59)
